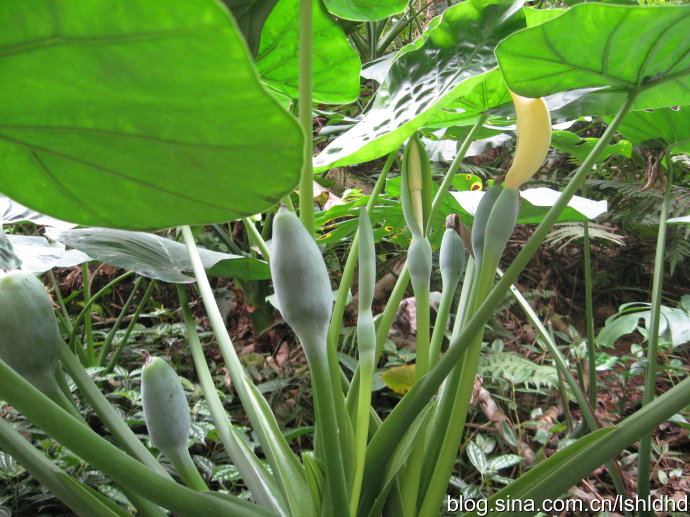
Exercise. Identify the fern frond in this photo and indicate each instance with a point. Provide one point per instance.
(515, 369)
(566, 233)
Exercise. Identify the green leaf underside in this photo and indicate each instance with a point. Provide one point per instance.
(8, 256)
(454, 59)
(336, 66)
(137, 115)
(154, 256)
(665, 128)
(37, 255)
(608, 49)
(250, 16)
(363, 10)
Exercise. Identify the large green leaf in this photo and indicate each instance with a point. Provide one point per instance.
(137, 114)
(154, 256)
(336, 66)
(665, 128)
(365, 10)
(643, 49)
(37, 255)
(454, 58)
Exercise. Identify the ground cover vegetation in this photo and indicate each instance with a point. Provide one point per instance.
(344, 258)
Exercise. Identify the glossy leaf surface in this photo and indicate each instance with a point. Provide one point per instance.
(37, 255)
(137, 115)
(449, 61)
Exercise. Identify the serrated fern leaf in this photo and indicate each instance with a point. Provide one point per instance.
(518, 370)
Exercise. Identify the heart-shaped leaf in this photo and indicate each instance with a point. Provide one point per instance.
(641, 49)
(37, 255)
(138, 115)
(154, 256)
(448, 61)
(336, 66)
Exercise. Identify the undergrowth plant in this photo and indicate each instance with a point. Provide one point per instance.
(156, 118)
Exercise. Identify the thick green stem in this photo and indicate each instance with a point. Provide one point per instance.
(393, 428)
(255, 238)
(88, 326)
(260, 482)
(125, 338)
(75, 495)
(86, 310)
(110, 460)
(105, 349)
(185, 468)
(458, 396)
(362, 429)
(100, 404)
(284, 463)
(423, 310)
(440, 324)
(645, 450)
(306, 190)
(327, 425)
(455, 397)
(287, 201)
(349, 268)
(589, 314)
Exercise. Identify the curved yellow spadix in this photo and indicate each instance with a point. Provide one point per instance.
(533, 139)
